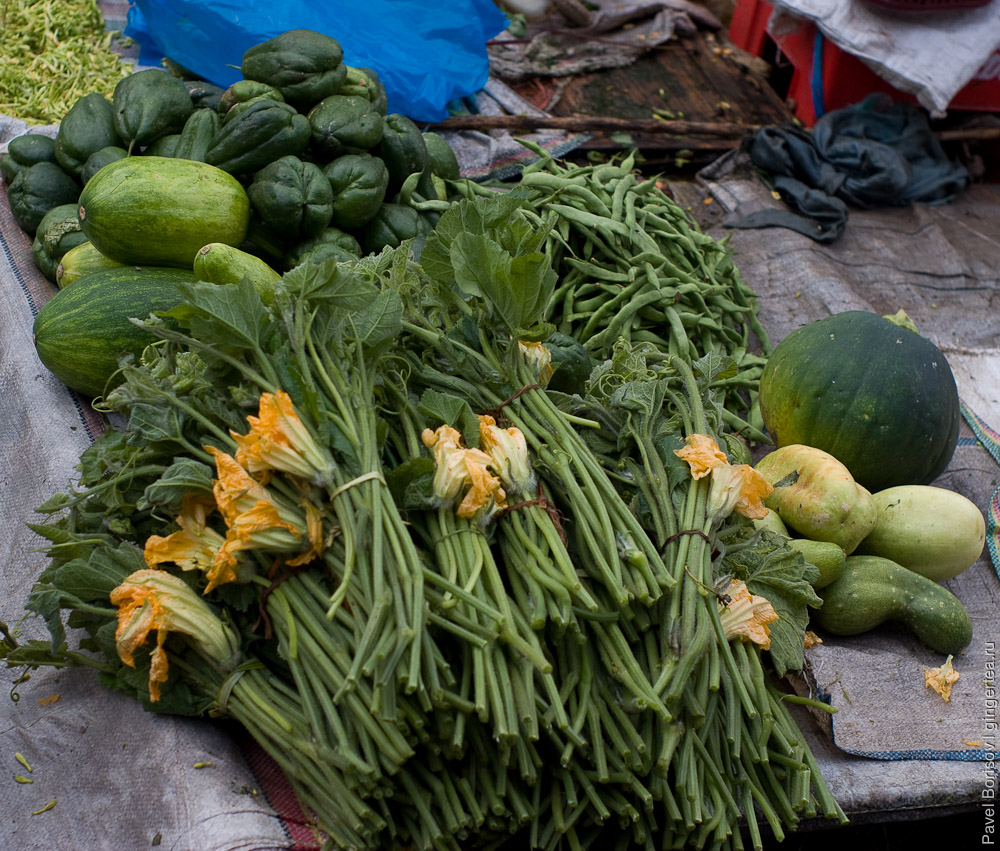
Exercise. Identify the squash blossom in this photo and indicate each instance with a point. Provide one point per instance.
(508, 450)
(279, 440)
(740, 488)
(941, 679)
(258, 519)
(747, 615)
(538, 358)
(156, 600)
(194, 546)
(702, 455)
(734, 487)
(462, 472)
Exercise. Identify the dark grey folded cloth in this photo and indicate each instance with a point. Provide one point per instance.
(877, 153)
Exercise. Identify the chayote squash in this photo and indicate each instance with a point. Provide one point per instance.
(263, 132)
(358, 183)
(344, 124)
(365, 83)
(244, 92)
(25, 151)
(204, 95)
(97, 160)
(304, 65)
(58, 232)
(403, 149)
(392, 225)
(36, 190)
(292, 199)
(197, 135)
(87, 127)
(148, 105)
(165, 146)
(441, 157)
(332, 242)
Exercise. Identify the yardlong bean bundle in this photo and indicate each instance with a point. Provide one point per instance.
(634, 266)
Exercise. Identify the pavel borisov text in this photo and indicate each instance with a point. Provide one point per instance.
(991, 726)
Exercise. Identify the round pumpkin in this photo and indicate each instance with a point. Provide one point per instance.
(868, 390)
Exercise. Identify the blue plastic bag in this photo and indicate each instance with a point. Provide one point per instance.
(426, 53)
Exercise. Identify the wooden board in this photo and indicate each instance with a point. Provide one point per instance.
(702, 77)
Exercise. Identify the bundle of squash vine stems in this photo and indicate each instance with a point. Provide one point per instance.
(460, 531)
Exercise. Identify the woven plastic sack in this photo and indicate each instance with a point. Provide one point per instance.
(426, 53)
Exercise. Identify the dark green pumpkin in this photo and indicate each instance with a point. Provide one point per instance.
(871, 392)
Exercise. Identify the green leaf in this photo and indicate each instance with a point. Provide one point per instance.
(338, 285)
(516, 289)
(469, 216)
(411, 484)
(152, 423)
(231, 314)
(443, 408)
(380, 321)
(778, 572)
(180, 478)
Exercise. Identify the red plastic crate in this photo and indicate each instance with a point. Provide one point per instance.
(843, 79)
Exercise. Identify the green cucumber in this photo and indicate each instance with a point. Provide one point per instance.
(873, 590)
(82, 331)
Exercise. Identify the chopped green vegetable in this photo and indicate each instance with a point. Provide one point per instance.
(52, 53)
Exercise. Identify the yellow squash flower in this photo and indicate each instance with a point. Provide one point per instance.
(194, 545)
(256, 519)
(734, 487)
(810, 639)
(702, 455)
(508, 450)
(538, 358)
(462, 472)
(740, 488)
(941, 679)
(156, 600)
(279, 440)
(747, 615)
